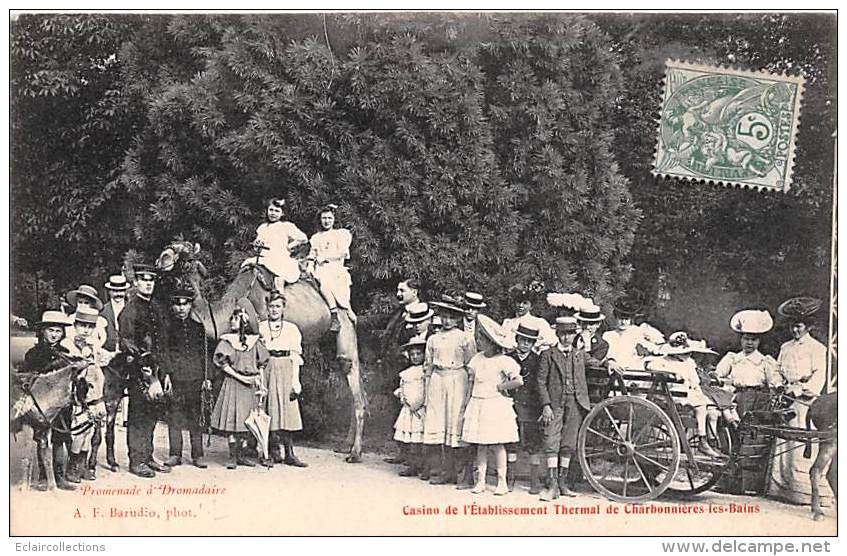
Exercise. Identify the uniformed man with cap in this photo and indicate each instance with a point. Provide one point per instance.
(563, 394)
(183, 356)
(140, 324)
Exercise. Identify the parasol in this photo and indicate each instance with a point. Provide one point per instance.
(259, 423)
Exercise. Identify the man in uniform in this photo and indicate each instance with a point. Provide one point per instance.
(140, 323)
(183, 353)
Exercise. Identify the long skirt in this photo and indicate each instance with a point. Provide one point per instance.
(490, 421)
(445, 396)
(235, 402)
(284, 413)
(789, 478)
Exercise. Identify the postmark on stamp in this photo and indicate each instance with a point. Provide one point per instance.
(728, 126)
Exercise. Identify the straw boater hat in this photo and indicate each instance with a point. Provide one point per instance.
(86, 315)
(590, 313)
(53, 318)
(494, 332)
(751, 321)
(474, 300)
(567, 324)
(117, 282)
(85, 291)
(799, 308)
(526, 331)
(679, 343)
(417, 312)
(417, 341)
(448, 304)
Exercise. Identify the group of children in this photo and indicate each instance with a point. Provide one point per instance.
(498, 388)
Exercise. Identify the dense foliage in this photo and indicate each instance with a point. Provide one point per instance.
(469, 151)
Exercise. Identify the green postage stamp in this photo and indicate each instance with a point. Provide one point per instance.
(728, 126)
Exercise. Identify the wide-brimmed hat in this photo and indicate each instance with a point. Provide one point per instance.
(53, 318)
(86, 315)
(117, 282)
(181, 295)
(568, 324)
(679, 343)
(145, 270)
(448, 304)
(799, 308)
(494, 332)
(627, 307)
(85, 291)
(474, 300)
(418, 312)
(590, 313)
(527, 331)
(417, 341)
(751, 321)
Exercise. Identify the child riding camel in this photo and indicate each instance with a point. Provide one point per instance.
(275, 239)
(330, 248)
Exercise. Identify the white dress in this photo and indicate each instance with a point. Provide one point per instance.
(489, 416)
(408, 428)
(687, 371)
(802, 368)
(329, 250)
(277, 258)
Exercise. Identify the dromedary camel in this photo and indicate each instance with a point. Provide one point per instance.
(304, 306)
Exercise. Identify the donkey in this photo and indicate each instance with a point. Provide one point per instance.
(823, 414)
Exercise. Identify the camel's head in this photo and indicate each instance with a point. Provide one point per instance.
(180, 257)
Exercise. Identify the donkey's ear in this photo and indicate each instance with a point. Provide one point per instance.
(196, 248)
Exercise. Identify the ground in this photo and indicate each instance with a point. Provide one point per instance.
(333, 497)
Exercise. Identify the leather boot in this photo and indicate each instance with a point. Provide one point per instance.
(448, 473)
(232, 463)
(89, 473)
(564, 481)
(510, 477)
(290, 457)
(467, 481)
(241, 456)
(73, 474)
(334, 324)
(535, 479)
(551, 492)
(59, 471)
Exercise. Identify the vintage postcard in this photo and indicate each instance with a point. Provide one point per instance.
(434, 274)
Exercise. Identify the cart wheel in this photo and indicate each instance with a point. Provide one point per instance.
(700, 475)
(625, 443)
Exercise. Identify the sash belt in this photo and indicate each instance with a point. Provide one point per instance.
(279, 352)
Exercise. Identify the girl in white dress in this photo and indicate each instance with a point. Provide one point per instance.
(330, 248)
(676, 359)
(490, 421)
(278, 237)
(408, 428)
(284, 343)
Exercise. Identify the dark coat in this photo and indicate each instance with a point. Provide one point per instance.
(140, 324)
(182, 349)
(597, 351)
(552, 369)
(112, 335)
(44, 358)
(527, 402)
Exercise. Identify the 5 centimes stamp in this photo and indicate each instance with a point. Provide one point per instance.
(728, 126)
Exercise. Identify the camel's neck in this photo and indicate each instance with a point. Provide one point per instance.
(214, 316)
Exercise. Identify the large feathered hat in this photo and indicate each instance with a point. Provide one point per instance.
(751, 321)
(799, 308)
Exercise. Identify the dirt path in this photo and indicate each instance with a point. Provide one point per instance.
(333, 497)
